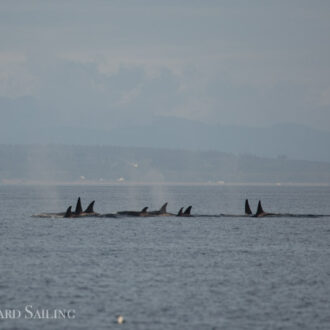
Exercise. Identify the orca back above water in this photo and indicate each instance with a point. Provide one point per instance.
(247, 208)
(161, 212)
(68, 213)
(142, 213)
(163, 209)
(90, 208)
(261, 213)
(185, 213)
(180, 212)
(89, 212)
(78, 209)
(78, 213)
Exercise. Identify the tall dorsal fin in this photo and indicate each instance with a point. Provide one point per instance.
(90, 208)
(259, 210)
(68, 213)
(144, 210)
(78, 207)
(247, 208)
(187, 211)
(180, 212)
(163, 208)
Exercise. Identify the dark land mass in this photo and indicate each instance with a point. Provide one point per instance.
(104, 164)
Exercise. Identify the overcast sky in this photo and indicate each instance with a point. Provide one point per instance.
(108, 63)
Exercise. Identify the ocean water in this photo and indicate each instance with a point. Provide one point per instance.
(166, 272)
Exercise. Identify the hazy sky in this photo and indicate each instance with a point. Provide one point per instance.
(114, 63)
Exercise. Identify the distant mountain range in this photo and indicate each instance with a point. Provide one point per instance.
(282, 140)
(24, 122)
(106, 164)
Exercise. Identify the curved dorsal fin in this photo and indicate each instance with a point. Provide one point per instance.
(180, 212)
(90, 208)
(78, 207)
(163, 208)
(187, 211)
(144, 210)
(259, 209)
(247, 208)
(68, 213)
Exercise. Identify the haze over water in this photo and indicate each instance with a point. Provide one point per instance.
(167, 272)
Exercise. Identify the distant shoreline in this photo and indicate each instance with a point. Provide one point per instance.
(18, 182)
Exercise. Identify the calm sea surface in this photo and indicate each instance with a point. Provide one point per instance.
(166, 272)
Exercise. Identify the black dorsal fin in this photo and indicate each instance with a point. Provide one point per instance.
(78, 207)
(163, 208)
(144, 210)
(187, 211)
(180, 212)
(68, 213)
(259, 210)
(247, 208)
(90, 208)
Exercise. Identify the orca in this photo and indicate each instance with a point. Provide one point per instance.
(163, 209)
(186, 213)
(90, 208)
(261, 213)
(78, 207)
(142, 213)
(89, 212)
(161, 212)
(68, 213)
(180, 213)
(247, 208)
(108, 215)
(78, 213)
